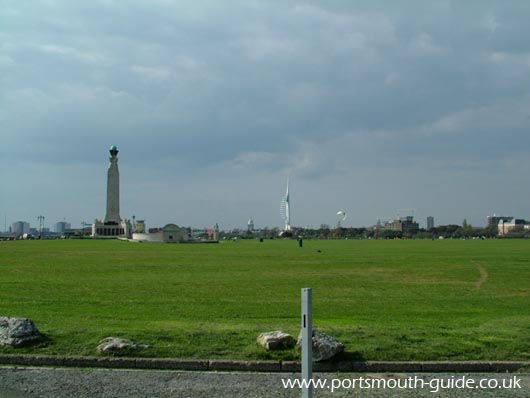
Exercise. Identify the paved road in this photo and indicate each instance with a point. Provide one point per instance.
(84, 383)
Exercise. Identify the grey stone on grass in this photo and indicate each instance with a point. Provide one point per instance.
(116, 344)
(277, 340)
(18, 332)
(324, 346)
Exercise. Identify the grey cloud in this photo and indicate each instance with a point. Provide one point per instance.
(307, 88)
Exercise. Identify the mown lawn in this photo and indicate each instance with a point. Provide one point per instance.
(386, 300)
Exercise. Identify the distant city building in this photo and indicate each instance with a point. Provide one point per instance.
(20, 228)
(62, 226)
(7, 236)
(505, 227)
(430, 222)
(406, 225)
(494, 220)
(112, 226)
(250, 225)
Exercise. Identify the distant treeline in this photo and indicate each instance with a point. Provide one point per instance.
(326, 232)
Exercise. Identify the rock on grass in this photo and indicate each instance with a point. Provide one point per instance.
(275, 340)
(18, 332)
(324, 346)
(116, 344)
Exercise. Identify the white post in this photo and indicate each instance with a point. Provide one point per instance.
(307, 342)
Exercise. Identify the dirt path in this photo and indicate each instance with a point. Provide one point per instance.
(483, 277)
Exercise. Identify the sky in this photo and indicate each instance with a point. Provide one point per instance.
(377, 108)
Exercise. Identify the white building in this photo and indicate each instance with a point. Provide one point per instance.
(505, 227)
(170, 233)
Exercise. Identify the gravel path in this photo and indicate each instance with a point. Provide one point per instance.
(16, 382)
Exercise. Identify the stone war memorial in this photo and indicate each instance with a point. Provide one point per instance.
(113, 225)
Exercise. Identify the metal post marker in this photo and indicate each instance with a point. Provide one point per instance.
(307, 342)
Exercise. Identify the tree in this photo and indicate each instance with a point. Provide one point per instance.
(491, 231)
(467, 229)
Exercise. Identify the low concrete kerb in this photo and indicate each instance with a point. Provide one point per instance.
(264, 366)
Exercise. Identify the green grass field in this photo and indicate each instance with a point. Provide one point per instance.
(386, 300)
